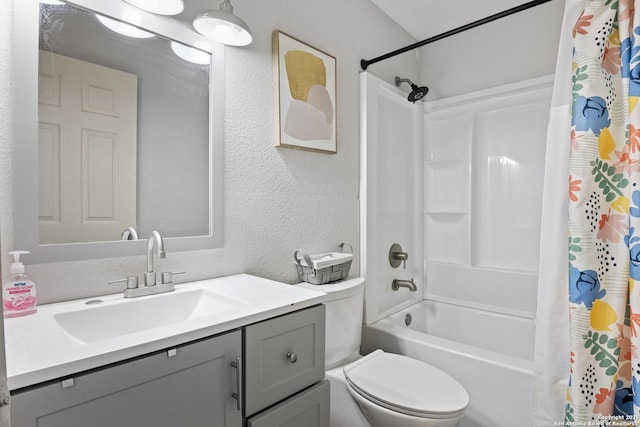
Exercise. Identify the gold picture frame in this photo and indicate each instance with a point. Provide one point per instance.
(305, 95)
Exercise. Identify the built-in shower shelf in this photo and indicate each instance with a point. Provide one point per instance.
(446, 161)
(446, 212)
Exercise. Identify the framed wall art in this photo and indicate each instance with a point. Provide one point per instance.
(305, 85)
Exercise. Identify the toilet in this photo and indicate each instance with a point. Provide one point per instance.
(380, 389)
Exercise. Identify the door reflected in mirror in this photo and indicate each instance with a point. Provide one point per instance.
(123, 132)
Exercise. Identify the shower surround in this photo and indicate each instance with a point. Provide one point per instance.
(480, 181)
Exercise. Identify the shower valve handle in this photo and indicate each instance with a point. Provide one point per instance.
(396, 255)
(402, 256)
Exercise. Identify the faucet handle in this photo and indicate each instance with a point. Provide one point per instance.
(402, 256)
(131, 281)
(149, 278)
(167, 276)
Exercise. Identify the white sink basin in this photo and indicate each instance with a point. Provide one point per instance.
(106, 320)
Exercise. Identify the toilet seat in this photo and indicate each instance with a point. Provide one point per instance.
(406, 385)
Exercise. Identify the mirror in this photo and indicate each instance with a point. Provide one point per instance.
(140, 147)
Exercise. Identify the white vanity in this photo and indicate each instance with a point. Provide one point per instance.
(232, 351)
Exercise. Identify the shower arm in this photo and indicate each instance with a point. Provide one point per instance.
(399, 81)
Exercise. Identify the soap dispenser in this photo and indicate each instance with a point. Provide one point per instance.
(18, 290)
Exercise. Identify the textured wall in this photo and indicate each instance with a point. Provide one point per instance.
(277, 200)
(6, 123)
(6, 132)
(512, 49)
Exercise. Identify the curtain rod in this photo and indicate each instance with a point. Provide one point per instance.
(365, 63)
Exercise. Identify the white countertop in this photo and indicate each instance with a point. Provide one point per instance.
(39, 350)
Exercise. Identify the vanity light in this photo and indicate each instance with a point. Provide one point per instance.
(223, 26)
(160, 7)
(124, 29)
(190, 54)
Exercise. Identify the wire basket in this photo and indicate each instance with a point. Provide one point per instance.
(323, 268)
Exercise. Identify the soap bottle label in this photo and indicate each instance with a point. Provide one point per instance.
(19, 296)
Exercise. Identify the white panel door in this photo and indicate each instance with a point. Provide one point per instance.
(87, 150)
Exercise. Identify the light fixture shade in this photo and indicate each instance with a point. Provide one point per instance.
(124, 29)
(191, 54)
(159, 7)
(223, 26)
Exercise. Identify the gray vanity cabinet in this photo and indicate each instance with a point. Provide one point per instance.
(190, 385)
(284, 367)
(278, 365)
(283, 355)
(309, 408)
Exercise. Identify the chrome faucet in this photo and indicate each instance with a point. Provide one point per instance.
(397, 284)
(129, 233)
(155, 247)
(155, 241)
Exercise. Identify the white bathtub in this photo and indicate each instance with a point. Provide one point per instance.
(490, 354)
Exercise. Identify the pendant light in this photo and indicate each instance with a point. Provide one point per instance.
(124, 28)
(223, 26)
(191, 54)
(159, 7)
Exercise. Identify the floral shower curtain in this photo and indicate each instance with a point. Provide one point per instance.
(552, 323)
(604, 217)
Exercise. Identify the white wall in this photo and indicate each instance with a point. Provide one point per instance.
(512, 49)
(277, 200)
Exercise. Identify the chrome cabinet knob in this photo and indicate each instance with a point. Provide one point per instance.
(293, 358)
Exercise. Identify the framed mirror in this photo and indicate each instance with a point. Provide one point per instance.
(115, 135)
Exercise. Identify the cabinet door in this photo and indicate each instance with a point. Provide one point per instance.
(190, 385)
(309, 408)
(283, 355)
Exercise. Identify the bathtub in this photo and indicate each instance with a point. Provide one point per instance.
(490, 354)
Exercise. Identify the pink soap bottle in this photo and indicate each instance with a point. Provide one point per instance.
(18, 290)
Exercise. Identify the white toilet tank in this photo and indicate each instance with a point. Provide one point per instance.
(344, 304)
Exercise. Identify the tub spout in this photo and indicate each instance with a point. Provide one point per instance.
(397, 284)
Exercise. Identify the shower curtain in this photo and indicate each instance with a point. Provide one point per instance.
(551, 365)
(551, 359)
(604, 217)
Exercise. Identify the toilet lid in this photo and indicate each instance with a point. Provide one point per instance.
(406, 385)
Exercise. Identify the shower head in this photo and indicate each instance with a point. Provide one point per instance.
(417, 93)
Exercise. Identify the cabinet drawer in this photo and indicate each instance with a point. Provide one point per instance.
(282, 356)
(309, 408)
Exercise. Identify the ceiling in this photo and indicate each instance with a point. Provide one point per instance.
(426, 18)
